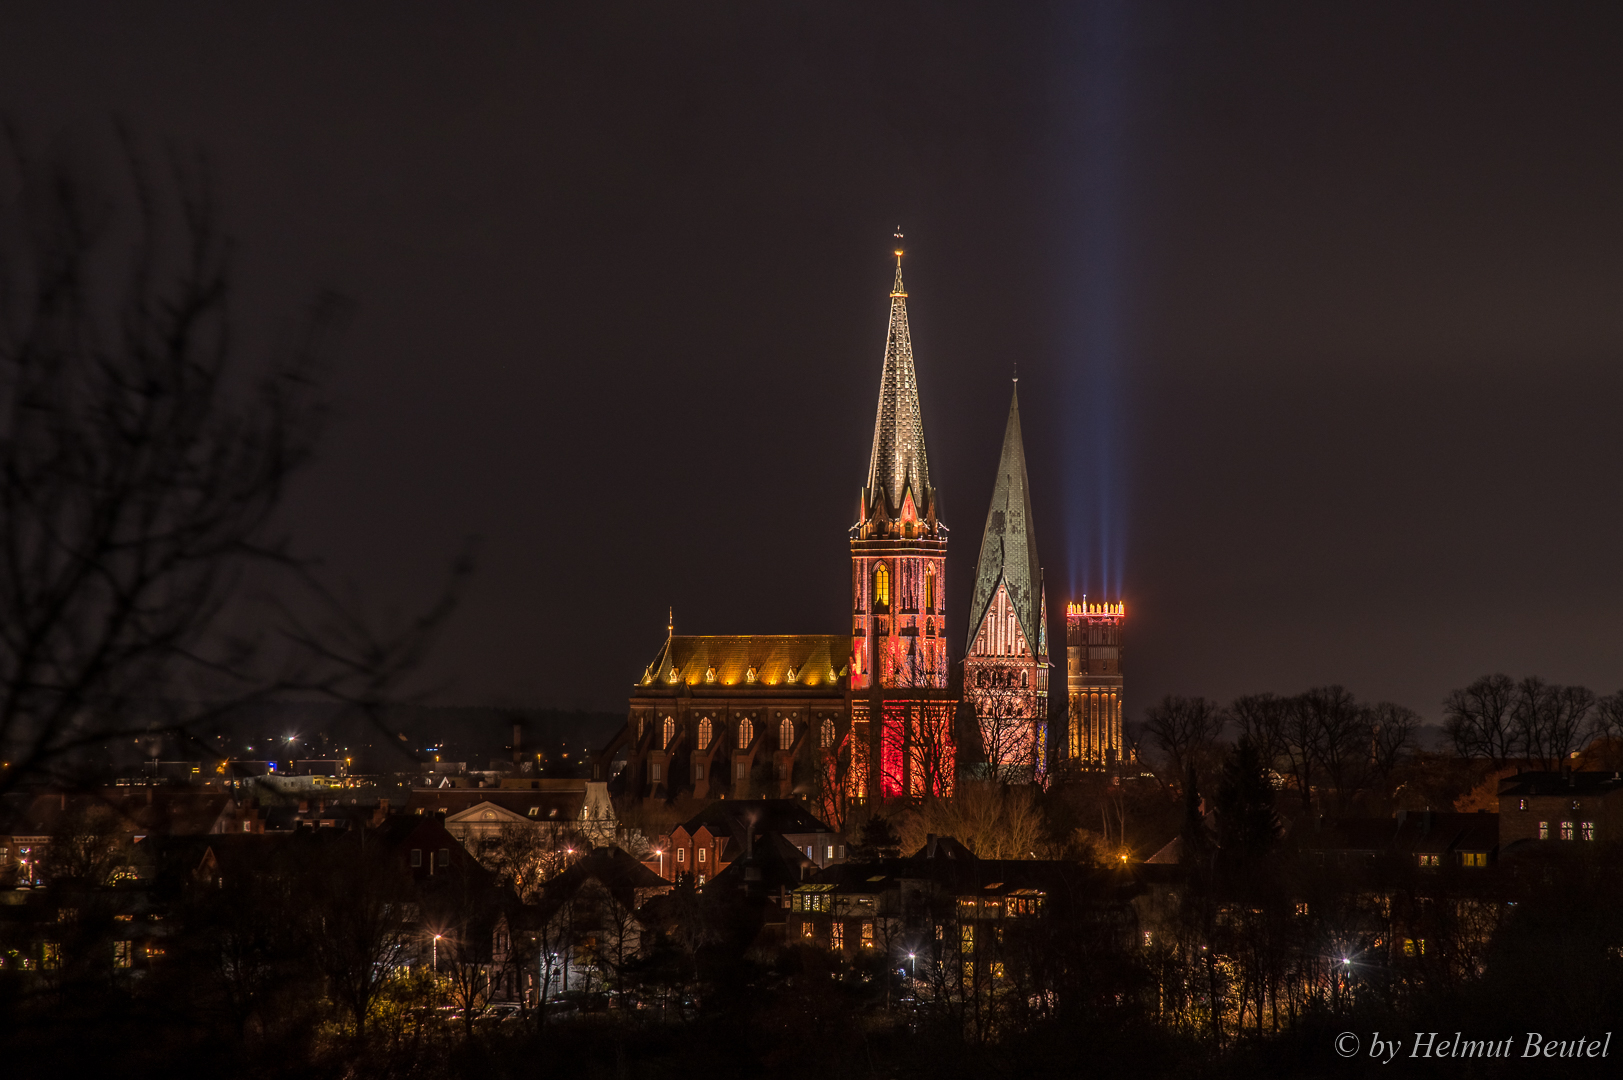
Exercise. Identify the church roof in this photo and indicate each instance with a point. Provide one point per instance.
(1009, 544)
(745, 661)
(899, 462)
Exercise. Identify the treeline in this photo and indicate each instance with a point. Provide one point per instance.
(1327, 740)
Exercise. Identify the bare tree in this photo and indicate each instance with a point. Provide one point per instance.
(141, 469)
(995, 821)
(1262, 718)
(1392, 734)
(1006, 717)
(1340, 737)
(1479, 719)
(1185, 730)
(1552, 721)
(357, 927)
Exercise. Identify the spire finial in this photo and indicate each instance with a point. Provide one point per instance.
(670, 622)
(898, 235)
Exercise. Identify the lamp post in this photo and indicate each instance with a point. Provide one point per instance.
(437, 952)
(661, 853)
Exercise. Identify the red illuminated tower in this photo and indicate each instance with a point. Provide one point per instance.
(1006, 664)
(901, 718)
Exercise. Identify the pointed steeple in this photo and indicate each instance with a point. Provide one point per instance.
(898, 465)
(1009, 544)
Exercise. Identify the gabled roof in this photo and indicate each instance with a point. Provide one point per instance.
(1570, 784)
(732, 817)
(899, 463)
(487, 811)
(1009, 544)
(733, 663)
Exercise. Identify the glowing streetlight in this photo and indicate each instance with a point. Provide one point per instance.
(437, 951)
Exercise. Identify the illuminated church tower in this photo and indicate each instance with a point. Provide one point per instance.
(1093, 679)
(1006, 663)
(901, 720)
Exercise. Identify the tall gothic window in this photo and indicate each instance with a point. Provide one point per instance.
(746, 733)
(704, 733)
(929, 590)
(667, 733)
(786, 733)
(825, 737)
(881, 586)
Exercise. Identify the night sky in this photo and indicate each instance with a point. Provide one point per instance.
(1317, 310)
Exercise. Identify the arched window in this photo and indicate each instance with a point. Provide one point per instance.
(746, 733)
(929, 590)
(825, 737)
(786, 733)
(704, 733)
(667, 733)
(1023, 680)
(881, 586)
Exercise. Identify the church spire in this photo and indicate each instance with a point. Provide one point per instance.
(1009, 545)
(898, 466)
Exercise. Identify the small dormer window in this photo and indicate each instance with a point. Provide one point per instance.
(710, 674)
(674, 676)
(751, 675)
(792, 674)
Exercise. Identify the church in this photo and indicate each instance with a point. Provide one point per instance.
(878, 712)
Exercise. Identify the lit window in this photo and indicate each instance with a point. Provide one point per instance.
(881, 586)
(1429, 860)
(667, 732)
(704, 733)
(786, 734)
(681, 855)
(50, 955)
(968, 936)
(701, 854)
(1148, 939)
(997, 969)
(746, 733)
(806, 930)
(121, 954)
(867, 935)
(836, 936)
(1544, 830)
(1587, 830)
(1474, 858)
(825, 737)
(1521, 804)
(830, 853)
(1566, 830)
(1301, 909)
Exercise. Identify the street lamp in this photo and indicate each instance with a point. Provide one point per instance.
(437, 952)
(915, 959)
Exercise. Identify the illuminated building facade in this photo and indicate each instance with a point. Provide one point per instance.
(1093, 675)
(901, 707)
(1006, 662)
(731, 715)
(856, 716)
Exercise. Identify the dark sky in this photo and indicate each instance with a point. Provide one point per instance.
(1316, 310)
